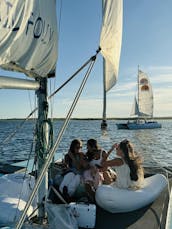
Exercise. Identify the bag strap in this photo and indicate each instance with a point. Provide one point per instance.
(58, 195)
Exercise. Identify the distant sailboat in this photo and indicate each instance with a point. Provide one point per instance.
(142, 107)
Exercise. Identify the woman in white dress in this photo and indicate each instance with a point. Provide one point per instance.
(128, 166)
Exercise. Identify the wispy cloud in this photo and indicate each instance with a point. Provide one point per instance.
(161, 78)
(160, 68)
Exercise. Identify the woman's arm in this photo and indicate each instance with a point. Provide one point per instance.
(113, 162)
(106, 155)
(73, 160)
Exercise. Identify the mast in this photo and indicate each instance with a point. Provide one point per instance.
(138, 89)
(42, 143)
(104, 123)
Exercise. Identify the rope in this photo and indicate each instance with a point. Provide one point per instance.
(49, 141)
(57, 142)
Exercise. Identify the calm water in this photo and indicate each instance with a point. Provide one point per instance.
(155, 145)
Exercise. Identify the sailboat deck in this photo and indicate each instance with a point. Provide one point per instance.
(152, 216)
(7, 168)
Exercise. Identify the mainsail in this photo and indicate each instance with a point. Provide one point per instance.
(145, 95)
(111, 38)
(28, 38)
(144, 105)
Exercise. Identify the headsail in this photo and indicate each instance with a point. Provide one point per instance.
(28, 38)
(111, 38)
(135, 108)
(145, 94)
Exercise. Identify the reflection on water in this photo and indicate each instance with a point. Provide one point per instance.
(153, 144)
(104, 136)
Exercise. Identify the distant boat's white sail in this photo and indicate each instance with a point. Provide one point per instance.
(110, 40)
(135, 108)
(28, 36)
(145, 95)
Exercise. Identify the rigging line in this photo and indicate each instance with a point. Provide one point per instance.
(8, 138)
(30, 100)
(70, 78)
(51, 102)
(56, 144)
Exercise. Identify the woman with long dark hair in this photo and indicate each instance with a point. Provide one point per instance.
(128, 166)
(96, 156)
(76, 163)
(75, 158)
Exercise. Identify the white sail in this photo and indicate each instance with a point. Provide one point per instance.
(135, 108)
(111, 38)
(28, 38)
(145, 95)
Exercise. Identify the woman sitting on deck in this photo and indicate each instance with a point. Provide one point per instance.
(96, 174)
(76, 163)
(127, 165)
(96, 156)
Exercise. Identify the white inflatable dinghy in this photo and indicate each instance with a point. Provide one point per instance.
(116, 200)
(14, 193)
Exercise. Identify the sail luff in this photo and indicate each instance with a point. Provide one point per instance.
(135, 108)
(111, 38)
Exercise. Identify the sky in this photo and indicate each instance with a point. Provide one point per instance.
(146, 41)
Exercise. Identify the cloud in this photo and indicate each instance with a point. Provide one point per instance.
(161, 78)
(160, 68)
